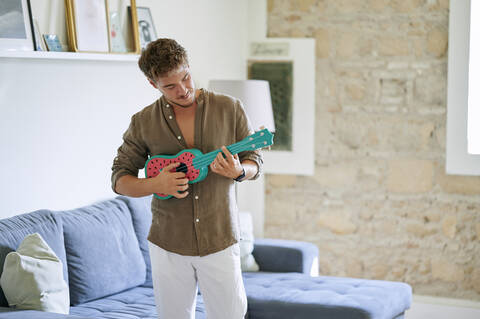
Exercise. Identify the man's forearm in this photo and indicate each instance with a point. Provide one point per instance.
(251, 169)
(132, 186)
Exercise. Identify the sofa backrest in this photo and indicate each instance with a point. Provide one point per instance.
(141, 211)
(106, 242)
(14, 229)
(103, 253)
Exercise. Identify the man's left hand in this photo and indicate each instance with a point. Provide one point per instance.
(228, 166)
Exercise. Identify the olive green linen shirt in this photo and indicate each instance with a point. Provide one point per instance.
(206, 221)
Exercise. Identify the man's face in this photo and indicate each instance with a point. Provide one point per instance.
(177, 86)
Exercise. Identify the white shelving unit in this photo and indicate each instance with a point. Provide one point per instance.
(68, 56)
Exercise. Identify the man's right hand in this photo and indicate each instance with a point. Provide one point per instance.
(170, 183)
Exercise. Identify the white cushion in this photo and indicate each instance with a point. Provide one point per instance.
(248, 262)
(32, 278)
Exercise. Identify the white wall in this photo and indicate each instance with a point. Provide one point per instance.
(62, 120)
(214, 33)
(61, 123)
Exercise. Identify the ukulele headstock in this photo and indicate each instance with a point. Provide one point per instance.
(260, 139)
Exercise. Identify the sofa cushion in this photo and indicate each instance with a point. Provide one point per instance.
(247, 261)
(136, 303)
(102, 249)
(295, 295)
(13, 230)
(141, 211)
(32, 278)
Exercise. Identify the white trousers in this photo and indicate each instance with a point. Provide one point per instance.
(219, 278)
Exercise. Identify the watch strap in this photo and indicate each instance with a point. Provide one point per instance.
(241, 176)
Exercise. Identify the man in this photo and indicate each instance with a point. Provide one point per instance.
(194, 234)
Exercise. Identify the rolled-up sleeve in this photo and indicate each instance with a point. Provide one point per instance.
(244, 129)
(131, 155)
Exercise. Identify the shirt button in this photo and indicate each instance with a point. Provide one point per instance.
(170, 117)
(197, 220)
(168, 105)
(179, 137)
(196, 196)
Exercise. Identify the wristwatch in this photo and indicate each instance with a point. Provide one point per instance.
(241, 176)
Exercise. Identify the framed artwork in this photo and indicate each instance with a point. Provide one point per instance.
(102, 26)
(37, 37)
(15, 26)
(123, 31)
(279, 75)
(146, 28)
(290, 71)
(117, 39)
(87, 25)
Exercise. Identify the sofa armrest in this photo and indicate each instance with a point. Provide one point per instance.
(278, 255)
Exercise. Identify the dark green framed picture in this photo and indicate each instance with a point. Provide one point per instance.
(290, 70)
(280, 76)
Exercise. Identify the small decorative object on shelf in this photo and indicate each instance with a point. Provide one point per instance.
(146, 28)
(53, 43)
(15, 26)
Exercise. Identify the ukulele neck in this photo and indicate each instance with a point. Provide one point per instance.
(207, 158)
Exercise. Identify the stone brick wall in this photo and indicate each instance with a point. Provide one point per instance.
(380, 204)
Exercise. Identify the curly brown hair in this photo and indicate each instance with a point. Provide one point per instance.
(161, 57)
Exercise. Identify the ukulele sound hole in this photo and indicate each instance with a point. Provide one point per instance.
(182, 168)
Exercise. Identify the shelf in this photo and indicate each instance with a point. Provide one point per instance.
(68, 56)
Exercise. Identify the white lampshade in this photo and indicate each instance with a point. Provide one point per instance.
(255, 96)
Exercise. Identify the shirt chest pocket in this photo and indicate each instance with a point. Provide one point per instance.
(163, 145)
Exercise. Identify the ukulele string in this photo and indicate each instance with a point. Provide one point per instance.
(207, 158)
(204, 160)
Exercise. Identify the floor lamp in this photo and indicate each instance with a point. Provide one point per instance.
(257, 102)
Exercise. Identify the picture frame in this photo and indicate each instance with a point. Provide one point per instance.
(16, 26)
(39, 41)
(122, 23)
(87, 26)
(116, 36)
(146, 27)
(301, 54)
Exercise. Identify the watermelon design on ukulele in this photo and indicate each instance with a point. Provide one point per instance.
(195, 164)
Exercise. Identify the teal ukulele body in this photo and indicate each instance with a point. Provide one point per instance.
(195, 164)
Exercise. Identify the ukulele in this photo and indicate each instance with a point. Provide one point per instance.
(195, 164)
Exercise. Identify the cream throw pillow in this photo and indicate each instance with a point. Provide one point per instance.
(247, 260)
(32, 278)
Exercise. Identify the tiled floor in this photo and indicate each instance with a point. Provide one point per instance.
(440, 308)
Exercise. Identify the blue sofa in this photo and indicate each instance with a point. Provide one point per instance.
(104, 252)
